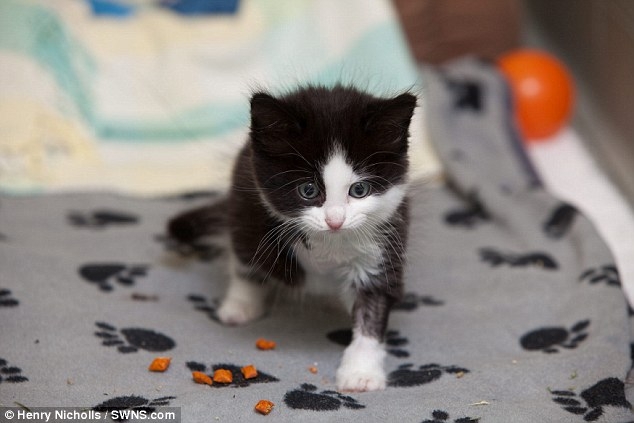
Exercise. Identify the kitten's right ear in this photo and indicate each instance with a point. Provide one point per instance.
(269, 114)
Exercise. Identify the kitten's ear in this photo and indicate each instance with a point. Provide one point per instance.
(390, 117)
(269, 114)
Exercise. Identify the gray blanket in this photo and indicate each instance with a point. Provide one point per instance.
(513, 312)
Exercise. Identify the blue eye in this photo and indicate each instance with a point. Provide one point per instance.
(308, 190)
(359, 190)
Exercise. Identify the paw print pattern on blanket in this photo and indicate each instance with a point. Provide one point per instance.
(307, 398)
(549, 338)
(606, 392)
(411, 301)
(133, 402)
(193, 196)
(467, 217)
(467, 95)
(535, 259)
(440, 416)
(100, 219)
(607, 274)
(134, 339)
(6, 299)
(10, 374)
(560, 221)
(105, 275)
(406, 376)
(238, 378)
(201, 304)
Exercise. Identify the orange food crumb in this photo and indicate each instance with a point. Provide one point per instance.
(313, 369)
(223, 376)
(249, 372)
(264, 407)
(160, 364)
(264, 344)
(200, 377)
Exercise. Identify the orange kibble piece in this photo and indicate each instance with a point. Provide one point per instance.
(160, 364)
(264, 344)
(264, 407)
(223, 376)
(249, 372)
(200, 377)
(313, 369)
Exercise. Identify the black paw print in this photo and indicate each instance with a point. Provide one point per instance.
(560, 221)
(307, 398)
(439, 416)
(198, 250)
(405, 376)
(610, 391)
(549, 338)
(99, 219)
(105, 274)
(6, 300)
(607, 274)
(535, 259)
(411, 301)
(201, 304)
(10, 374)
(132, 402)
(135, 339)
(467, 95)
(467, 217)
(392, 339)
(238, 378)
(193, 195)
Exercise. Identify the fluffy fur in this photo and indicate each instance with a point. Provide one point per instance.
(318, 202)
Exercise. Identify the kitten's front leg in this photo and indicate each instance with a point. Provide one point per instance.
(245, 299)
(361, 367)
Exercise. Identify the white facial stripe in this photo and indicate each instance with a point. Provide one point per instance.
(338, 176)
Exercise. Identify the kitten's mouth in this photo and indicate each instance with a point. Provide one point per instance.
(335, 231)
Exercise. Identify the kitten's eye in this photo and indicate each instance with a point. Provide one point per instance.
(308, 190)
(359, 190)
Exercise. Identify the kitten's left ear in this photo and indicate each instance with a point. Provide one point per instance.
(391, 116)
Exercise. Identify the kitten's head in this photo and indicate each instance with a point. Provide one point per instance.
(334, 158)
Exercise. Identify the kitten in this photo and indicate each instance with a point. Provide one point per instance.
(318, 201)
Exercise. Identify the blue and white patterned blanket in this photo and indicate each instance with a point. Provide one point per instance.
(138, 96)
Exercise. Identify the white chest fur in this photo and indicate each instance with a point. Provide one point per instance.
(335, 262)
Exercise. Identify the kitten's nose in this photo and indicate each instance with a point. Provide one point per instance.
(334, 224)
(335, 217)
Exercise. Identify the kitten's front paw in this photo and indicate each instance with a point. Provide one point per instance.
(361, 367)
(352, 379)
(236, 312)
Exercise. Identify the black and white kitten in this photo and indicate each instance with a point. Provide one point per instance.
(318, 201)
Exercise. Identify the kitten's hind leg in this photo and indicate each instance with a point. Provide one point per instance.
(245, 298)
(188, 226)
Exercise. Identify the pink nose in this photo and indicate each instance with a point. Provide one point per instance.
(334, 224)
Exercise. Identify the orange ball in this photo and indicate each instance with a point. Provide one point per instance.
(542, 89)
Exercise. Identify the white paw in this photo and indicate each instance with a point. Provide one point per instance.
(361, 367)
(360, 380)
(236, 312)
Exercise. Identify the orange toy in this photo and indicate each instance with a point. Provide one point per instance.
(542, 89)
